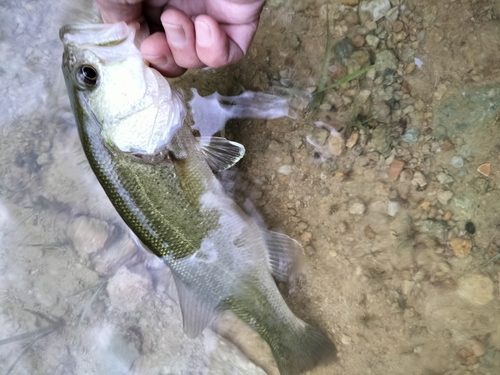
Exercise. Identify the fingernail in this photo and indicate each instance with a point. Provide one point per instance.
(159, 62)
(176, 35)
(203, 34)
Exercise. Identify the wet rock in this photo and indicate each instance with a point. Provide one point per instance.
(373, 10)
(395, 169)
(484, 169)
(461, 247)
(444, 196)
(336, 145)
(126, 289)
(476, 289)
(357, 207)
(88, 234)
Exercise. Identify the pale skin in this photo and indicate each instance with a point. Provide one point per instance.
(187, 34)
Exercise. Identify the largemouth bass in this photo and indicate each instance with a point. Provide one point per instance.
(160, 180)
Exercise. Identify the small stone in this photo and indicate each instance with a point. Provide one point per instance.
(373, 10)
(444, 196)
(285, 170)
(346, 340)
(419, 180)
(126, 289)
(410, 68)
(363, 96)
(461, 247)
(444, 178)
(358, 41)
(395, 169)
(411, 136)
(352, 140)
(484, 169)
(447, 216)
(406, 175)
(447, 145)
(425, 205)
(324, 192)
(386, 60)
(357, 207)
(372, 40)
(457, 161)
(336, 145)
(274, 146)
(476, 289)
(88, 234)
(392, 208)
(397, 26)
(369, 232)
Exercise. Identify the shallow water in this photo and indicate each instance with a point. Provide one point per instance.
(393, 275)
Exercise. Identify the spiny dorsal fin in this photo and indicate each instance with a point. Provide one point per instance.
(220, 153)
(286, 257)
(196, 313)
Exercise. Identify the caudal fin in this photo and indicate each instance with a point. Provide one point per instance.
(301, 350)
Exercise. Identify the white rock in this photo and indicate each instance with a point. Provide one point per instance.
(476, 289)
(357, 207)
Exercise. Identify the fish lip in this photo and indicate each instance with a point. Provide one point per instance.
(96, 34)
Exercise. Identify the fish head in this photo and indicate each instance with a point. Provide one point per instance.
(106, 74)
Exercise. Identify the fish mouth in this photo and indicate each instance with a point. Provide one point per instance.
(96, 34)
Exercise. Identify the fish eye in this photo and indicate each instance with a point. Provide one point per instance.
(87, 75)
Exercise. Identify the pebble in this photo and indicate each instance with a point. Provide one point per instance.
(372, 40)
(369, 232)
(373, 10)
(457, 161)
(397, 26)
(336, 145)
(444, 178)
(419, 180)
(447, 145)
(285, 170)
(358, 41)
(444, 196)
(386, 60)
(461, 247)
(126, 289)
(476, 289)
(411, 136)
(406, 175)
(410, 68)
(392, 208)
(484, 169)
(351, 141)
(447, 216)
(274, 146)
(324, 192)
(395, 169)
(88, 234)
(357, 207)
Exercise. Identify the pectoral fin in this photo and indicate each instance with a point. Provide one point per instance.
(285, 256)
(196, 313)
(220, 153)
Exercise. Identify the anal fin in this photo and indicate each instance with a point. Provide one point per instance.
(220, 153)
(196, 313)
(286, 257)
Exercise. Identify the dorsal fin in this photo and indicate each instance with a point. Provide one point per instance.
(220, 153)
(286, 257)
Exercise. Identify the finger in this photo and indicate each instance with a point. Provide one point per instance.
(155, 49)
(221, 45)
(181, 38)
(116, 10)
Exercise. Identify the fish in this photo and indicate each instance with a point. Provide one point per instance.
(160, 179)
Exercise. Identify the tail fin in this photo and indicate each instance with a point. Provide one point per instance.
(301, 350)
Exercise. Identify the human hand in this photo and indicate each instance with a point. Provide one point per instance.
(189, 34)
